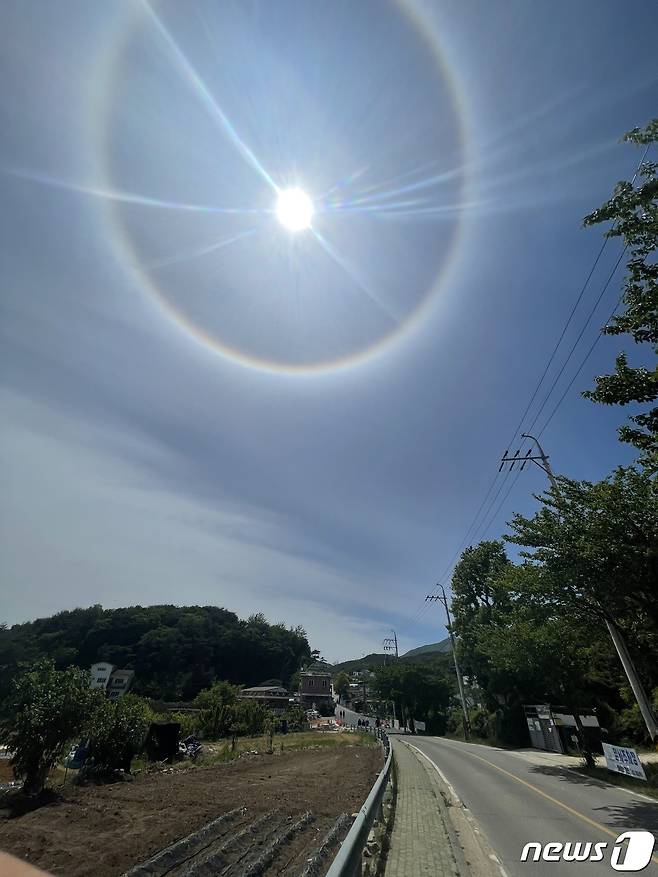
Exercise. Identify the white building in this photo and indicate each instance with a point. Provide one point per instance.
(100, 674)
(120, 682)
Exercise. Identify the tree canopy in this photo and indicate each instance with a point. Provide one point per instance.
(419, 691)
(534, 631)
(633, 211)
(175, 651)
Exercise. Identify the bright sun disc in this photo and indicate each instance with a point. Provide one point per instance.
(294, 209)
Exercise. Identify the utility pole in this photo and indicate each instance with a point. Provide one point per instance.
(390, 645)
(460, 681)
(615, 634)
(540, 459)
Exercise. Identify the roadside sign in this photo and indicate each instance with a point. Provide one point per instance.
(622, 760)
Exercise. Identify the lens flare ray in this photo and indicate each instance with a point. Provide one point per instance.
(203, 251)
(382, 199)
(351, 207)
(382, 183)
(342, 184)
(123, 197)
(206, 97)
(343, 263)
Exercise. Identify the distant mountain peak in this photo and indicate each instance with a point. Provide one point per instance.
(369, 662)
(442, 646)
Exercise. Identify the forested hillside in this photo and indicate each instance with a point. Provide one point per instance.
(442, 647)
(175, 650)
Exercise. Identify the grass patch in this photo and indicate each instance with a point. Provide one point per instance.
(219, 751)
(619, 779)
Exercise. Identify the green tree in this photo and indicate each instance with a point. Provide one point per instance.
(478, 596)
(342, 684)
(216, 704)
(533, 648)
(48, 708)
(116, 731)
(597, 545)
(419, 691)
(176, 651)
(634, 212)
(221, 693)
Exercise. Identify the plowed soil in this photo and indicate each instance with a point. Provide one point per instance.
(104, 830)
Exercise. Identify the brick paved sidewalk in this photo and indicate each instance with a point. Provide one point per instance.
(420, 843)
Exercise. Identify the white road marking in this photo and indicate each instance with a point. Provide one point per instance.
(458, 801)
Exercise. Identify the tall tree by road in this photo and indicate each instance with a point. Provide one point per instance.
(634, 212)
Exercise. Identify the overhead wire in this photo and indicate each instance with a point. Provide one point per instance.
(580, 367)
(487, 518)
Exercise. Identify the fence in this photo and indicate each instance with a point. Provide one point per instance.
(348, 859)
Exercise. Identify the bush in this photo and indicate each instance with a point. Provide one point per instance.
(116, 731)
(296, 719)
(326, 709)
(223, 714)
(47, 709)
(483, 724)
(190, 723)
(219, 694)
(250, 715)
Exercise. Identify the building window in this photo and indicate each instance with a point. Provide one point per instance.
(310, 683)
(324, 683)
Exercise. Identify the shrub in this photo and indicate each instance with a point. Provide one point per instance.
(219, 694)
(47, 709)
(252, 716)
(223, 714)
(326, 709)
(116, 731)
(190, 723)
(296, 718)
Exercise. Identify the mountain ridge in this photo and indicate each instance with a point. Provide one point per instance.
(377, 659)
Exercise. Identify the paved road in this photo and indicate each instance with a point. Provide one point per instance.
(516, 799)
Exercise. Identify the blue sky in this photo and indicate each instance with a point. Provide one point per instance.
(201, 407)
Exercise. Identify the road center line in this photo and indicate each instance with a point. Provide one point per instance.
(548, 797)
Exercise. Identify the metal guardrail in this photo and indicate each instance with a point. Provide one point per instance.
(349, 857)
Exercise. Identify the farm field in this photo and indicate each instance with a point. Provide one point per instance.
(105, 830)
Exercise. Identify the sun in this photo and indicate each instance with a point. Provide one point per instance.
(294, 209)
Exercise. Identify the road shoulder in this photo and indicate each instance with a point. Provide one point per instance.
(431, 833)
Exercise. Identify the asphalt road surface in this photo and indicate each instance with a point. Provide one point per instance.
(514, 798)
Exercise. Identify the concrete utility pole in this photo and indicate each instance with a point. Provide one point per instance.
(460, 681)
(540, 460)
(631, 675)
(615, 634)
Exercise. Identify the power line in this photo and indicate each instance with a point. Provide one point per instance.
(470, 532)
(422, 608)
(580, 368)
(501, 504)
(579, 336)
(571, 315)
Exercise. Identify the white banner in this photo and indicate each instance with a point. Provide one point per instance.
(623, 760)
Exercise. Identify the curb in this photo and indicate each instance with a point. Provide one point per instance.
(460, 822)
